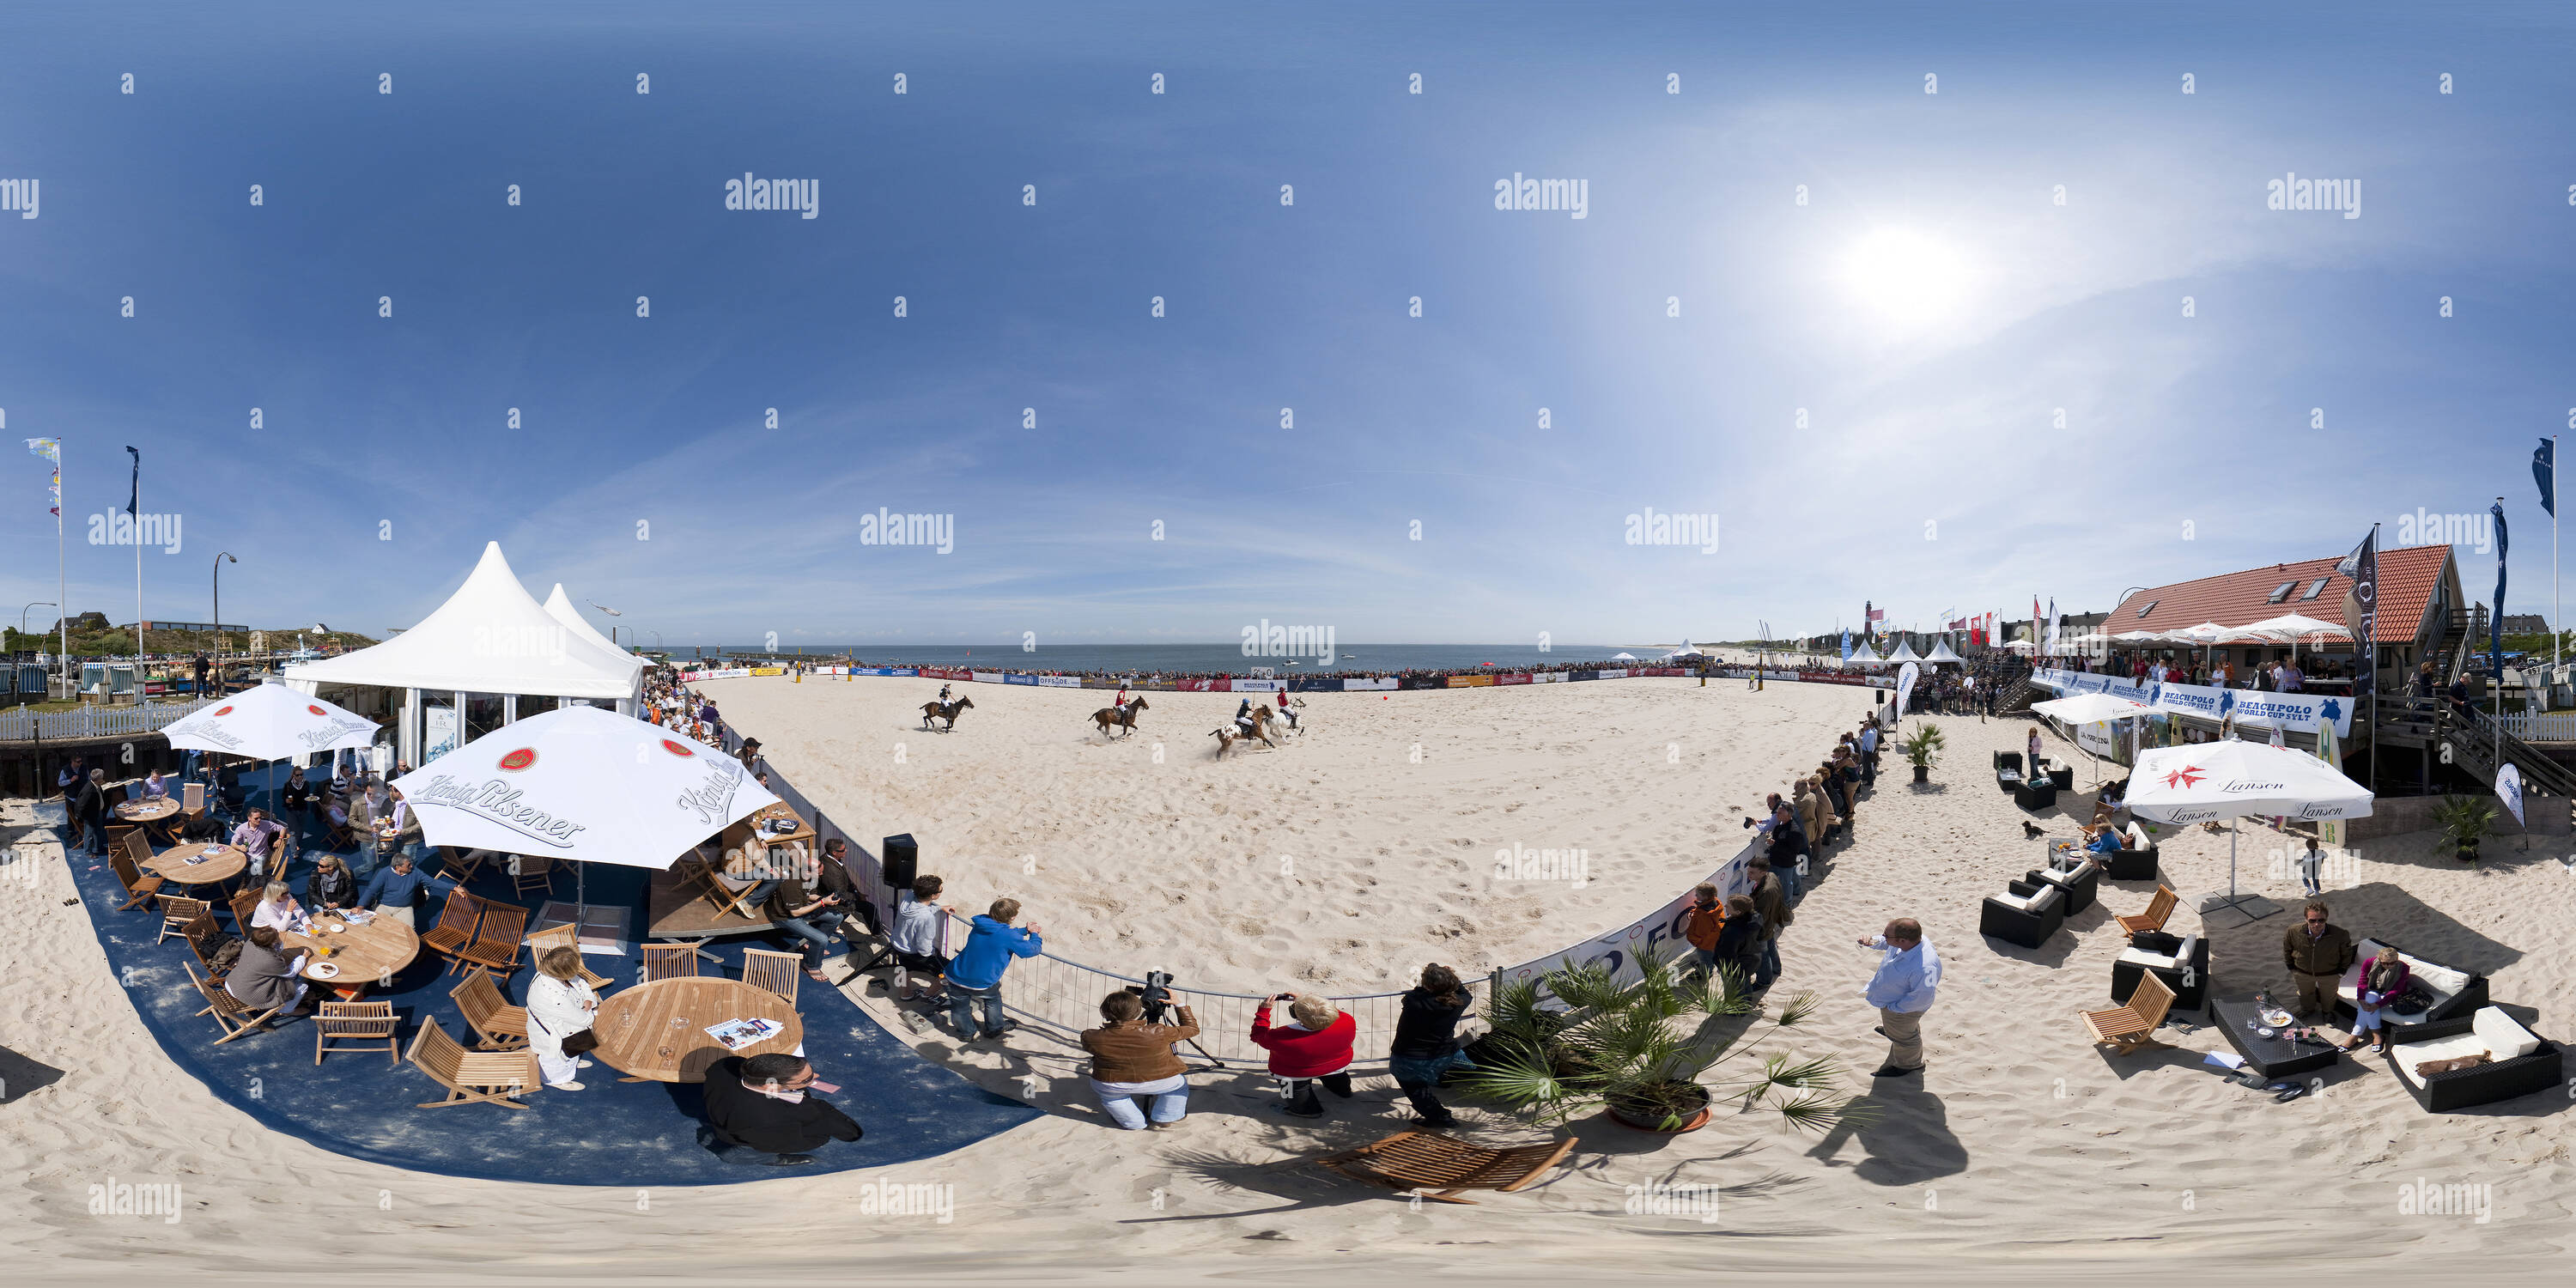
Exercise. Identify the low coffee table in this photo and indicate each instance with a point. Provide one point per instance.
(2272, 1057)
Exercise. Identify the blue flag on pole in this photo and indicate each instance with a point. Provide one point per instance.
(2544, 471)
(2495, 624)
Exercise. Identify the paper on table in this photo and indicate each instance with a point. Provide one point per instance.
(2224, 1059)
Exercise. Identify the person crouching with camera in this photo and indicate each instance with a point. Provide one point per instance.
(1132, 1058)
(1314, 1046)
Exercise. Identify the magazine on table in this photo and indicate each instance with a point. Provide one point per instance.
(737, 1034)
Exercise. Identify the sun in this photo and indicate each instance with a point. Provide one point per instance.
(1910, 279)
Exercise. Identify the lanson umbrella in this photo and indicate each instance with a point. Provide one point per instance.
(271, 722)
(582, 784)
(2215, 780)
(2092, 708)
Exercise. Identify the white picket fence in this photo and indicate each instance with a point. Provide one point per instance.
(92, 722)
(2549, 728)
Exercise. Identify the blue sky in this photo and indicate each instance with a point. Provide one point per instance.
(1931, 307)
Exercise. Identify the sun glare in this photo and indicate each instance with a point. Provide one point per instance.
(1908, 278)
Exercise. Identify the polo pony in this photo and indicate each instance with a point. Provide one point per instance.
(944, 710)
(1123, 717)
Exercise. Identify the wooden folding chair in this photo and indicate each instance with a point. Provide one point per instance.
(726, 900)
(534, 872)
(2158, 909)
(496, 941)
(1437, 1167)
(463, 866)
(205, 939)
(139, 888)
(192, 799)
(773, 972)
(233, 1015)
(365, 1023)
(244, 905)
(669, 961)
(564, 936)
(471, 1078)
(502, 1027)
(2126, 1028)
(455, 929)
(177, 911)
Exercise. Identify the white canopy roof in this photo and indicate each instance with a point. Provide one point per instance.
(1904, 653)
(491, 636)
(560, 605)
(1865, 653)
(1941, 653)
(2295, 626)
(2090, 708)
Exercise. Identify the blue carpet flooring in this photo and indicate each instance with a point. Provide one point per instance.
(611, 1133)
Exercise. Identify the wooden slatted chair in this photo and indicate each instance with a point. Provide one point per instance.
(502, 1027)
(243, 906)
(177, 911)
(140, 889)
(2158, 909)
(471, 1077)
(669, 961)
(456, 923)
(2126, 1028)
(564, 936)
(533, 872)
(233, 1015)
(205, 939)
(774, 972)
(725, 900)
(496, 941)
(463, 865)
(364, 1024)
(192, 799)
(1438, 1167)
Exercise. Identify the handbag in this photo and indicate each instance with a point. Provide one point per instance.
(582, 1042)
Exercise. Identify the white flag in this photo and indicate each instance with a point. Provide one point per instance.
(2509, 786)
(1905, 687)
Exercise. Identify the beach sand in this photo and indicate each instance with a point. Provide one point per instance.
(2020, 1154)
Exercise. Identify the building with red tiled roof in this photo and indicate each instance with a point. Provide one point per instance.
(2419, 589)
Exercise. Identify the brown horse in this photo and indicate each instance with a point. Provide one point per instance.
(1123, 717)
(944, 710)
(1227, 735)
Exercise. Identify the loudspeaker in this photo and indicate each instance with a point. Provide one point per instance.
(900, 860)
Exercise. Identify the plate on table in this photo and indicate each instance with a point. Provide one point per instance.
(327, 970)
(2276, 1019)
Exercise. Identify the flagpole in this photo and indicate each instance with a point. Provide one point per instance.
(65, 621)
(2553, 564)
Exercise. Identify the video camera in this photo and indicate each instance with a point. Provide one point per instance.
(1156, 994)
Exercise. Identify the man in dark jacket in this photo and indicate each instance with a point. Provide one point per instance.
(90, 809)
(2317, 954)
(1773, 904)
(761, 1110)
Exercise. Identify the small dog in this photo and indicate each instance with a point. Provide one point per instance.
(2032, 831)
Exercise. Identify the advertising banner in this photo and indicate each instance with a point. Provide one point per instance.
(1511, 679)
(1548, 677)
(768, 670)
(1609, 675)
(1256, 686)
(2300, 712)
(1470, 681)
(1660, 931)
(984, 677)
(1199, 686)
(1582, 675)
(943, 673)
(1059, 682)
(1368, 686)
(1017, 679)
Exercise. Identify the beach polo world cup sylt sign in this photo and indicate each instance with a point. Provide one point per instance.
(2299, 712)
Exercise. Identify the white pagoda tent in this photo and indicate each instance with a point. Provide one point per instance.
(560, 606)
(490, 656)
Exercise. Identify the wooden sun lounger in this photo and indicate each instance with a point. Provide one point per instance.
(1439, 1167)
(2158, 909)
(2126, 1028)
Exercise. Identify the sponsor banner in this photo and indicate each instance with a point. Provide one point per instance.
(768, 670)
(1609, 675)
(1663, 671)
(2301, 712)
(981, 677)
(2096, 738)
(1016, 679)
(1511, 679)
(1256, 686)
(1548, 677)
(1059, 682)
(1369, 686)
(1470, 681)
(938, 673)
(1421, 682)
(875, 670)
(1581, 675)
(1199, 686)
(1659, 932)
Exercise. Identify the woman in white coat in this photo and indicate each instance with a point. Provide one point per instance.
(559, 1005)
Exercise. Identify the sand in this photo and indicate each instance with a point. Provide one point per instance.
(2022, 1153)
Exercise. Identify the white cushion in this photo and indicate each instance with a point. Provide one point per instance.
(2011, 900)
(2414, 1053)
(2034, 903)
(2443, 980)
(2141, 957)
(2500, 1036)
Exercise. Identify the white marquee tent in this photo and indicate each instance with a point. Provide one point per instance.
(559, 605)
(465, 667)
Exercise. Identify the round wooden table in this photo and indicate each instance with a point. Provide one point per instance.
(658, 1032)
(364, 954)
(222, 863)
(147, 811)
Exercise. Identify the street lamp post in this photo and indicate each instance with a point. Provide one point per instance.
(221, 558)
(22, 613)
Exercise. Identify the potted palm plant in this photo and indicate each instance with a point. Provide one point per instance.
(1922, 750)
(1579, 1039)
(2460, 823)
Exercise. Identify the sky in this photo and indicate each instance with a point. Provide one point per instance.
(2035, 331)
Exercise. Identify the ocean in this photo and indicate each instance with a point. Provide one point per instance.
(1225, 659)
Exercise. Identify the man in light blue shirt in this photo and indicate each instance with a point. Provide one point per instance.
(1909, 973)
(1869, 753)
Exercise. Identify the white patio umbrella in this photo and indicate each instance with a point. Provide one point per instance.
(2092, 708)
(2296, 627)
(582, 784)
(2215, 780)
(271, 722)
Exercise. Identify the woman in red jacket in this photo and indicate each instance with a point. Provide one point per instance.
(1314, 1046)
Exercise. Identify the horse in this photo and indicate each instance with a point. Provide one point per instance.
(1227, 735)
(1288, 720)
(1123, 717)
(945, 711)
